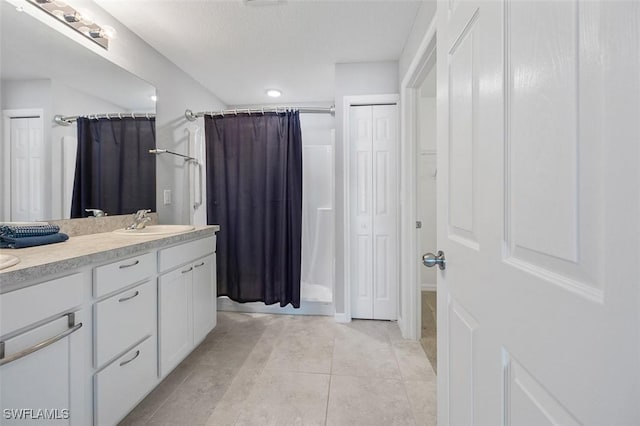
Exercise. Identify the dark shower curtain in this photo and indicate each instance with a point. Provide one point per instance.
(114, 170)
(254, 192)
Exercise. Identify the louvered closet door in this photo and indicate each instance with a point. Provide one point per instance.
(373, 180)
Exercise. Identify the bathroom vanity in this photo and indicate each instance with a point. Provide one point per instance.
(90, 326)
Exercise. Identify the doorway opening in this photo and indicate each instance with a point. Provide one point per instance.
(418, 293)
(426, 198)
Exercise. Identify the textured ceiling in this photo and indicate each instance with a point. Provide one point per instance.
(238, 50)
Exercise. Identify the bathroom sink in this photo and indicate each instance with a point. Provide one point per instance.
(7, 260)
(156, 230)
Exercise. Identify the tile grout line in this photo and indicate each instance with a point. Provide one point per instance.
(404, 385)
(168, 396)
(326, 412)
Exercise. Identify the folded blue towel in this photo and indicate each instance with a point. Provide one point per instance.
(22, 242)
(21, 231)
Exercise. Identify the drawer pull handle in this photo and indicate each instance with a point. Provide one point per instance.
(124, 299)
(123, 363)
(72, 328)
(198, 265)
(187, 270)
(129, 265)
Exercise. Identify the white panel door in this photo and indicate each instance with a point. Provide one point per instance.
(27, 169)
(373, 177)
(361, 178)
(539, 213)
(384, 209)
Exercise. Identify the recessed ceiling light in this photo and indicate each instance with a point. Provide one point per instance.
(154, 98)
(274, 93)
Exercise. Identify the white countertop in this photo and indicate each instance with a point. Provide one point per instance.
(76, 252)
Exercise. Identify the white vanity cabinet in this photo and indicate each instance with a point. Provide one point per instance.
(186, 299)
(85, 348)
(124, 382)
(204, 297)
(41, 354)
(124, 341)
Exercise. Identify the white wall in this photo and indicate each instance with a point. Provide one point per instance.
(371, 78)
(176, 92)
(425, 15)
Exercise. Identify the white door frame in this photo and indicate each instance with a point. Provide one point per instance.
(7, 115)
(348, 102)
(410, 286)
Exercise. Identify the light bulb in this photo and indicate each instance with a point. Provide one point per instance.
(86, 16)
(274, 93)
(109, 32)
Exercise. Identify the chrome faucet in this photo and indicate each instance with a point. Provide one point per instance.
(96, 212)
(140, 220)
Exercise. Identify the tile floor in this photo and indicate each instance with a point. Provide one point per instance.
(258, 369)
(429, 339)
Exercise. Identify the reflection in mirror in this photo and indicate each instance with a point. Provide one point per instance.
(44, 73)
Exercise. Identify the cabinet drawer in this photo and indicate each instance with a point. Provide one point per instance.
(117, 275)
(122, 384)
(122, 320)
(172, 257)
(30, 305)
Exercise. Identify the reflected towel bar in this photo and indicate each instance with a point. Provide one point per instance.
(166, 151)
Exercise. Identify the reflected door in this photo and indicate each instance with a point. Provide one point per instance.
(538, 207)
(27, 169)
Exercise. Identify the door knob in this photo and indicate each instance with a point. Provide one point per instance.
(430, 260)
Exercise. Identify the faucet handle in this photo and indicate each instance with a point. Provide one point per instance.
(142, 213)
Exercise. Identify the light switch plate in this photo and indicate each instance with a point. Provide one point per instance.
(167, 197)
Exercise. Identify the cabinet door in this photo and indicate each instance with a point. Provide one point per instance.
(204, 297)
(44, 387)
(174, 319)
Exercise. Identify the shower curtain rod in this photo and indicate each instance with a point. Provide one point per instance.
(192, 116)
(68, 120)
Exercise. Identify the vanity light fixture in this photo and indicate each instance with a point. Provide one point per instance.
(81, 21)
(274, 93)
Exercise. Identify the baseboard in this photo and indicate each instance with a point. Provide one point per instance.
(306, 308)
(428, 287)
(342, 318)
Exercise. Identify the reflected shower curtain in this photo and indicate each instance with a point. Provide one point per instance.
(114, 170)
(254, 192)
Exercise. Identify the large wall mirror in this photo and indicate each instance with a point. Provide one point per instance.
(43, 74)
